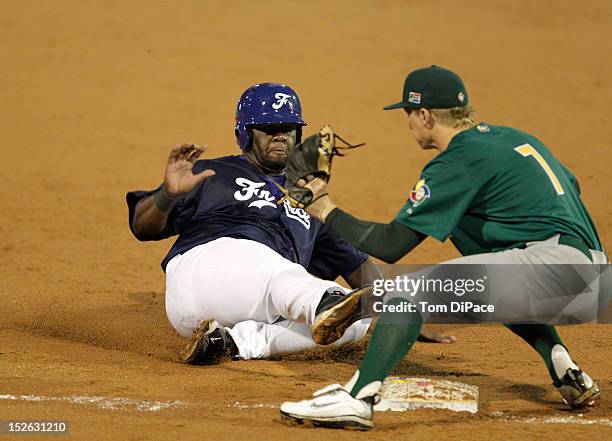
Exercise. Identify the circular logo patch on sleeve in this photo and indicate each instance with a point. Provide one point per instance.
(420, 193)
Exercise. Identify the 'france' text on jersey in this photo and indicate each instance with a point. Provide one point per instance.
(241, 202)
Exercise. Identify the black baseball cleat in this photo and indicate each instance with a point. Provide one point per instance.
(578, 390)
(209, 344)
(331, 323)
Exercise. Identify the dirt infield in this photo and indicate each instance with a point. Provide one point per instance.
(93, 94)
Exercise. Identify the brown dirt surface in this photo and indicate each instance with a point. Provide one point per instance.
(96, 92)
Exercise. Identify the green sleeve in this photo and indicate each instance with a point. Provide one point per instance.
(442, 196)
(388, 242)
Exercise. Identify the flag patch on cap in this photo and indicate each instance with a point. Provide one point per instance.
(414, 97)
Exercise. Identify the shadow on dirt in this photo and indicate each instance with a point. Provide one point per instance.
(136, 325)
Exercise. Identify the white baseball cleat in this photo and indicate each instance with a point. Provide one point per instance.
(578, 389)
(331, 407)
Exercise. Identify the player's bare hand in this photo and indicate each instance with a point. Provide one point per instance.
(322, 205)
(430, 336)
(302, 182)
(179, 177)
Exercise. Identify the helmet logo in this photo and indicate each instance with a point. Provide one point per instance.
(282, 98)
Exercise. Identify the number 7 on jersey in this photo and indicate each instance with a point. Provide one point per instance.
(527, 150)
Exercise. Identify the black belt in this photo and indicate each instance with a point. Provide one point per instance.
(575, 242)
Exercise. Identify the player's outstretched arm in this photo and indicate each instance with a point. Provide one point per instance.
(179, 177)
(151, 213)
(388, 242)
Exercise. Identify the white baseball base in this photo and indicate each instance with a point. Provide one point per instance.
(402, 393)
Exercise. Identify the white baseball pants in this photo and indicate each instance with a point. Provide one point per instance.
(266, 302)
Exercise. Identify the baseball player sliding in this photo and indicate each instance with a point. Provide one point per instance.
(505, 201)
(246, 276)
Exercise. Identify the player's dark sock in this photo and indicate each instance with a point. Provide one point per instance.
(543, 338)
(393, 336)
(329, 299)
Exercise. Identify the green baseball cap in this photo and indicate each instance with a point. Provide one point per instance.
(432, 87)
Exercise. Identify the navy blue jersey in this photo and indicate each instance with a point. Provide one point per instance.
(240, 202)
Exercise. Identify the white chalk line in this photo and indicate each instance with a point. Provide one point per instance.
(123, 403)
(577, 420)
(571, 419)
(109, 403)
(239, 405)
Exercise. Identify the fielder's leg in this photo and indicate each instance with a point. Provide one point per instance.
(577, 389)
(351, 406)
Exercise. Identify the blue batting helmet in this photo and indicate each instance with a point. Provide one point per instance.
(267, 103)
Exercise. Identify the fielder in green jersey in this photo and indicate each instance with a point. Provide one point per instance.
(503, 199)
(502, 179)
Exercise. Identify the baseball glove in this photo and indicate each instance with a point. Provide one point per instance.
(312, 157)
